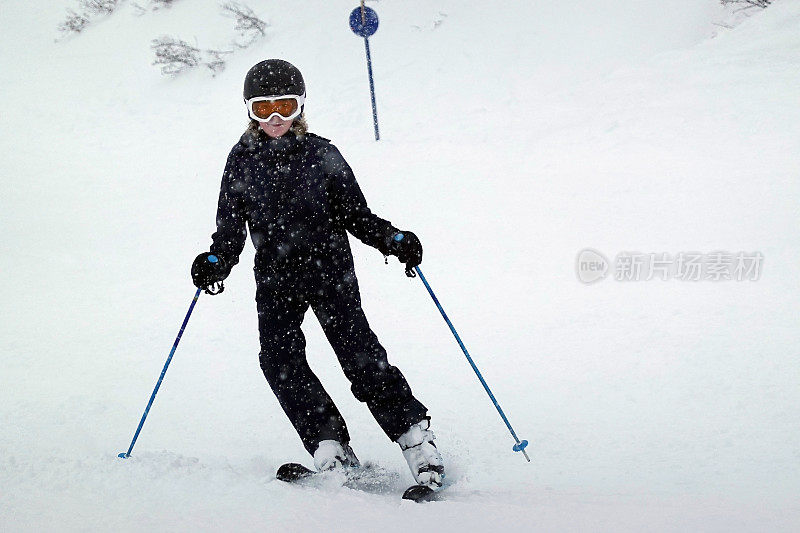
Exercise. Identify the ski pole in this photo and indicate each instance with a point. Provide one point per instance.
(125, 455)
(520, 444)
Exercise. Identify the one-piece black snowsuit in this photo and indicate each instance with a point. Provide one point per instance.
(299, 198)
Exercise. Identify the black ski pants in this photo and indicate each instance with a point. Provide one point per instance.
(282, 300)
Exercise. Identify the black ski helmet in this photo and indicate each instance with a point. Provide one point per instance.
(273, 77)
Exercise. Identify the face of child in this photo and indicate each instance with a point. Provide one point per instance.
(275, 127)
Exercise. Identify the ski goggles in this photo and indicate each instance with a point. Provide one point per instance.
(263, 108)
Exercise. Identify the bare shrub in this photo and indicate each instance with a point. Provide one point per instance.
(99, 7)
(215, 60)
(174, 55)
(747, 4)
(152, 5)
(155, 5)
(249, 26)
(74, 23)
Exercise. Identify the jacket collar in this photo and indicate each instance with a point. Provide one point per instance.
(262, 143)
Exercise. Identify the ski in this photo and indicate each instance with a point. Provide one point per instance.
(295, 472)
(419, 493)
(291, 472)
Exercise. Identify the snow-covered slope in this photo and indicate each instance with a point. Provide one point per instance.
(514, 135)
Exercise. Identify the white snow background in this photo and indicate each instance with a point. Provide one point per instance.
(514, 135)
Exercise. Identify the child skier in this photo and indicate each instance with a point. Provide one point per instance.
(299, 197)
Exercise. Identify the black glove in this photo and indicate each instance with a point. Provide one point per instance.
(406, 246)
(208, 270)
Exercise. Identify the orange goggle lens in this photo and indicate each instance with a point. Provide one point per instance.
(285, 107)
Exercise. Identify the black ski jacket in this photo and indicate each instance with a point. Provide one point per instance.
(299, 198)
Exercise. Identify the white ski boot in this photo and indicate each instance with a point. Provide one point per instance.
(333, 455)
(422, 456)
